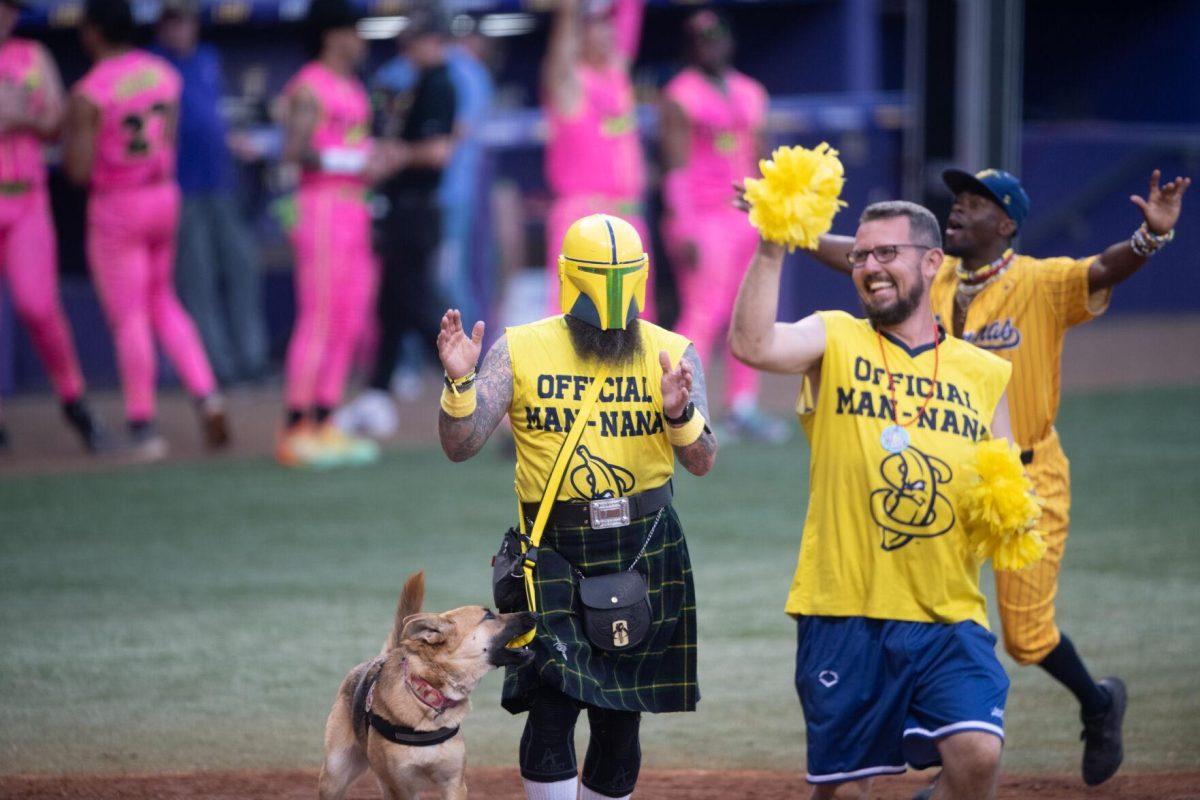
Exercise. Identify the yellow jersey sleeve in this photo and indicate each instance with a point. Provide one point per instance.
(1063, 283)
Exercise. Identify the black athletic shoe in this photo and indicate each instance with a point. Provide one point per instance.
(79, 417)
(1102, 746)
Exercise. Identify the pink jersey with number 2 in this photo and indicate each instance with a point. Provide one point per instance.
(135, 92)
(723, 125)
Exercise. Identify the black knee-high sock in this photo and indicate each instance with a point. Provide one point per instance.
(614, 754)
(547, 752)
(1066, 667)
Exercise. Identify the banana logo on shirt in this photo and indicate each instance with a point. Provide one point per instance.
(596, 479)
(911, 507)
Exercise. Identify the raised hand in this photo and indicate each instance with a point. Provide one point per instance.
(1163, 203)
(459, 352)
(676, 385)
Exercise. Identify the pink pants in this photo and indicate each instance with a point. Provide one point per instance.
(29, 259)
(564, 211)
(725, 243)
(335, 281)
(131, 252)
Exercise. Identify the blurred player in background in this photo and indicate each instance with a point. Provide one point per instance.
(594, 161)
(1020, 308)
(713, 120)
(121, 144)
(217, 270)
(416, 118)
(328, 134)
(31, 112)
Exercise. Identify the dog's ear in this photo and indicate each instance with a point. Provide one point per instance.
(411, 598)
(427, 628)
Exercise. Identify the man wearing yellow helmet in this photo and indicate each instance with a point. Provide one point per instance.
(648, 414)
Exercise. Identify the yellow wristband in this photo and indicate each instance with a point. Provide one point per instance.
(459, 404)
(690, 431)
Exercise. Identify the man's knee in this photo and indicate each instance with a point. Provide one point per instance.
(1030, 647)
(971, 763)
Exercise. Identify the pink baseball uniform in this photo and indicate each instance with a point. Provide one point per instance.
(594, 162)
(335, 267)
(28, 250)
(132, 215)
(723, 149)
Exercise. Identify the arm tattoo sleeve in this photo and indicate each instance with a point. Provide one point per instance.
(698, 457)
(463, 437)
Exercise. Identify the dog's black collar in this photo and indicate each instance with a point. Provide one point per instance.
(402, 734)
(399, 734)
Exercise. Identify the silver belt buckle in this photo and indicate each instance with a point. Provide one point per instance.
(612, 512)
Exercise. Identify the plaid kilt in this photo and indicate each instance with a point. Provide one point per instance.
(658, 676)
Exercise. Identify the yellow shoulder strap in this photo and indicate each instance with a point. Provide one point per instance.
(552, 484)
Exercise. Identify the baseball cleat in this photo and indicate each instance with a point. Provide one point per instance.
(94, 437)
(344, 449)
(373, 413)
(214, 426)
(299, 447)
(147, 444)
(1103, 749)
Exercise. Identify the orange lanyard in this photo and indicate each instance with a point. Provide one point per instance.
(892, 381)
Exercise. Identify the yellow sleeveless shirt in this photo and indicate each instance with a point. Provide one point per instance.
(624, 449)
(882, 538)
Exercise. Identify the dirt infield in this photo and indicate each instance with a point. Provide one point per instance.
(504, 784)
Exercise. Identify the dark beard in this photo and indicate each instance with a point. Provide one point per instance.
(899, 311)
(617, 346)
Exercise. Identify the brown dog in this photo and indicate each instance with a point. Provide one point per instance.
(399, 713)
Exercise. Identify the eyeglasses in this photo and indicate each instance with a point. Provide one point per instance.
(883, 253)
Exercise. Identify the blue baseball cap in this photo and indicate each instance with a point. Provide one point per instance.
(994, 184)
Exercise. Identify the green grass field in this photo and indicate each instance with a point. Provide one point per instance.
(202, 616)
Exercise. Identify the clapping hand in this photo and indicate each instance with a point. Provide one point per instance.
(1162, 204)
(676, 385)
(459, 352)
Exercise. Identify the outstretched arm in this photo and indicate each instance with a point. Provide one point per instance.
(755, 337)
(682, 384)
(1161, 209)
(560, 80)
(1001, 426)
(463, 437)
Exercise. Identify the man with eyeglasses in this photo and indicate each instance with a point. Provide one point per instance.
(894, 664)
(1020, 308)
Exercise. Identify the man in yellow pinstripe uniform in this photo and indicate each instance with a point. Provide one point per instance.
(1020, 308)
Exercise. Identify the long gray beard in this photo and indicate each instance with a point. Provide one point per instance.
(617, 346)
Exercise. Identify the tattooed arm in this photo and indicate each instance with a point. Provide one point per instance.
(463, 437)
(681, 384)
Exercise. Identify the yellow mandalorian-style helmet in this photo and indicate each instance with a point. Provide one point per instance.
(602, 270)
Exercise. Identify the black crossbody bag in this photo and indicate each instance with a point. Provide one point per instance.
(616, 607)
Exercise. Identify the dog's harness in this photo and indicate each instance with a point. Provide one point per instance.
(365, 719)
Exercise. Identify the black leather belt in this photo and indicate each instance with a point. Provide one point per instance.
(1026, 456)
(607, 513)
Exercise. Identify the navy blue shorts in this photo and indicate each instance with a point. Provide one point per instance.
(877, 694)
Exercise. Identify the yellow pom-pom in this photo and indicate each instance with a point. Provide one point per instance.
(797, 197)
(998, 508)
